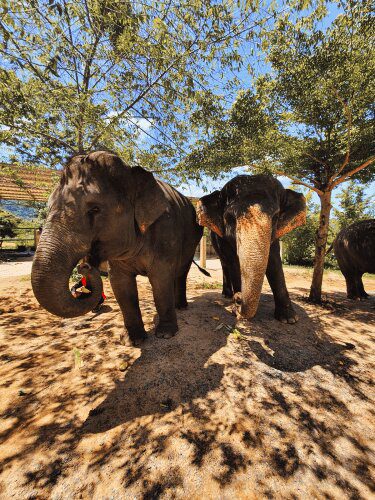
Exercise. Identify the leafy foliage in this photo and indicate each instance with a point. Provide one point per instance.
(97, 74)
(8, 224)
(354, 205)
(298, 245)
(310, 118)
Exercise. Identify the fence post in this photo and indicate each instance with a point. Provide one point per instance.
(281, 251)
(36, 237)
(203, 252)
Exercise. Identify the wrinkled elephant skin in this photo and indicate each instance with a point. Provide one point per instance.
(103, 210)
(247, 218)
(354, 249)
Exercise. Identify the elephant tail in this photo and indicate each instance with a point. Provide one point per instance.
(329, 249)
(206, 273)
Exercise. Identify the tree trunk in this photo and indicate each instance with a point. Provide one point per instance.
(320, 247)
(80, 128)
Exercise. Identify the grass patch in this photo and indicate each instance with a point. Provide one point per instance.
(207, 285)
(26, 277)
(237, 335)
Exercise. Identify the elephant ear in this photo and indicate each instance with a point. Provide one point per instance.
(292, 213)
(150, 200)
(210, 213)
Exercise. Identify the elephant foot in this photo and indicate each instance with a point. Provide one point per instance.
(228, 294)
(181, 305)
(166, 331)
(133, 337)
(358, 297)
(236, 309)
(286, 314)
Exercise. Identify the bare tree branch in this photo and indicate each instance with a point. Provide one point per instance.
(232, 34)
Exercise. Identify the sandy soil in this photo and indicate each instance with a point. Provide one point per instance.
(267, 411)
(19, 267)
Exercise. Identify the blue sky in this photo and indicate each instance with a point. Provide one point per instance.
(193, 189)
(209, 185)
(259, 67)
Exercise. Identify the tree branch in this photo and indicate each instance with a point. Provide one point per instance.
(232, 34)
(347, 155)
(72, 43)
(297, 181)
(133, 103)
(317, 160)
(352, 172)
(43, 134)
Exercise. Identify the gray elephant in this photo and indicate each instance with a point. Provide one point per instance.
(104, 210)
(354, 249)
(247, 218)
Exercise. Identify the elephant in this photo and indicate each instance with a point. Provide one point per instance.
(247, 217)
(354, 249)
(104, 210)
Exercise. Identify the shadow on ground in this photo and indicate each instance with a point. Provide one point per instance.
(263, 413)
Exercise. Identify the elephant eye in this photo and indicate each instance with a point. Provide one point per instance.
(93, 210)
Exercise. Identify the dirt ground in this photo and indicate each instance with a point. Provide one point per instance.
(265, 411)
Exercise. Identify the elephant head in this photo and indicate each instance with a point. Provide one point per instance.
(99, 211)
(250, 212)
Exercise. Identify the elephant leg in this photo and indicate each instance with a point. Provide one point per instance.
(361, 289)
(180, 290)
(230, 265)
(162, 283)
(354, 285)
(125, 289)
(227, 281)
(235, 274)
(284, 310)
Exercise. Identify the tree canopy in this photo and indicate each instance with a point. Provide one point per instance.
(354, 205)
(98, 73)
(311, 117)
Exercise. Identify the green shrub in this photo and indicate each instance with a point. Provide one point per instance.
(8, 224)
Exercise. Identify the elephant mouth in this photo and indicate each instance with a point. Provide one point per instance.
(96, 258)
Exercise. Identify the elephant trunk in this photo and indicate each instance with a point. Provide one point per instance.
(254, 231)
(58, 252)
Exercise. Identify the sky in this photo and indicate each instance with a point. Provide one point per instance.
(193, 189)
(208, 185)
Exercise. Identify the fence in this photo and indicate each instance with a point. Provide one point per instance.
(24, 238)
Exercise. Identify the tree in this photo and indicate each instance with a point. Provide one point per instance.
(298, 245)
(8, 224)
(354, 205)
(96, 74)
(311, 118)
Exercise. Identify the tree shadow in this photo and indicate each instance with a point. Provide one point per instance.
(175, 371)
(300, 347)
(339, 304)
(168, 372)
(291, 348)
(258, 403)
